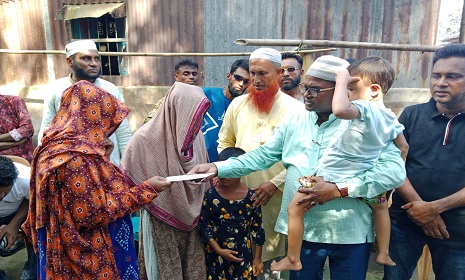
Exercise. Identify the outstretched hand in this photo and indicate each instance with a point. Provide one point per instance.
(159, 183)
(204, 168)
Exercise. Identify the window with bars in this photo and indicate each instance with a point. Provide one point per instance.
(105, 24)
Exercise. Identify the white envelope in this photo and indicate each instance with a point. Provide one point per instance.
(188, 177)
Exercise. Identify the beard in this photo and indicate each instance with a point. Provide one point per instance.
(263, 100)
(291, 86)
(81, 73)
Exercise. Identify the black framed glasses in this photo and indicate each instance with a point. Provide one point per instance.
(312, 91)
(289, 69)
(239, 78)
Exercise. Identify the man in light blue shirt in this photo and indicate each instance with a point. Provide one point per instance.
(338, 225)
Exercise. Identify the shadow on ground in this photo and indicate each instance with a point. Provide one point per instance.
(14, 264)
(375, 271)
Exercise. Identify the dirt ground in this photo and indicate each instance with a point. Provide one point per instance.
(14, 264)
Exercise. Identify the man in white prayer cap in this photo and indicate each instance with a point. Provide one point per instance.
(84, 61)
(248, 122)
(338, 225)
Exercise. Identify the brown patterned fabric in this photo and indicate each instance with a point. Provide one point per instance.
(180, 254)
(76, 191)
(168, 145)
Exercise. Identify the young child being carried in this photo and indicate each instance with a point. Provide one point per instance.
(228, 222)
(366, 128)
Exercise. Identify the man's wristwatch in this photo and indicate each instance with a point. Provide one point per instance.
(343, 190)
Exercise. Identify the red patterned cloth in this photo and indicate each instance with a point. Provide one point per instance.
(76, 191)
(16, 121)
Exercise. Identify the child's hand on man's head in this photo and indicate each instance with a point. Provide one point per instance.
(344, 77)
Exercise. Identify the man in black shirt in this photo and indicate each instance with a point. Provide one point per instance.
(430, 206)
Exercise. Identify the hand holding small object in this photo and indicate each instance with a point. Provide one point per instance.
(159, 183)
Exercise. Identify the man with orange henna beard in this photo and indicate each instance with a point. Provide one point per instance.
(248, 122)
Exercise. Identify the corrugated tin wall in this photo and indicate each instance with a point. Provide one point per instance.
(153, 26)
(395, 21)
(212, 26)
(22, 27)
(162, 26)
(60, 35)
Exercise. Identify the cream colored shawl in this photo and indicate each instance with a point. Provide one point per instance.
(170, 144)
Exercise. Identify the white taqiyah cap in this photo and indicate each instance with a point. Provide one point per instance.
(268, 54)
(79, 46)
(326, 67)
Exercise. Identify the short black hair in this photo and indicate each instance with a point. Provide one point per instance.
(375, 70)
(186, 62)
(449, 50)
(240, 63)
(230, 152)
(8, 172)
(293, 55)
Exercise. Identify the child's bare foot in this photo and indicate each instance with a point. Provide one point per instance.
(384, 259)
(286, 264)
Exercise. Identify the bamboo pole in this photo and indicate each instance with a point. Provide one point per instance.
(336, 44)
(9, 51)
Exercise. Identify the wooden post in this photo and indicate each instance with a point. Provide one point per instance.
(462, 26)
(305, 51)
(308, 60)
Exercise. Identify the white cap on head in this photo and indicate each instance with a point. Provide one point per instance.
(326, 67)
(268, 54)
(79, 46)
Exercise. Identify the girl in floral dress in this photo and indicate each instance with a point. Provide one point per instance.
(228, 224)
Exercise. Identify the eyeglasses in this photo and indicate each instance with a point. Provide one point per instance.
(313, 92)
(239, 78)
(288, 69)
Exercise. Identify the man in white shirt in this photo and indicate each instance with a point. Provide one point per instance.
(84, 61)
(14, 201)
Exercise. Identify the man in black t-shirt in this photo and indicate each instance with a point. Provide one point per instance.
(430, 206)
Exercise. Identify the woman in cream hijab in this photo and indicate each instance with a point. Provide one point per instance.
(170, 144)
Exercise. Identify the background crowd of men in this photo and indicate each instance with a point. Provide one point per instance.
(266, 110)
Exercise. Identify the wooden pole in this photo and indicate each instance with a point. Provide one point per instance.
(462, 25)
(336, 44)
(9, 51)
